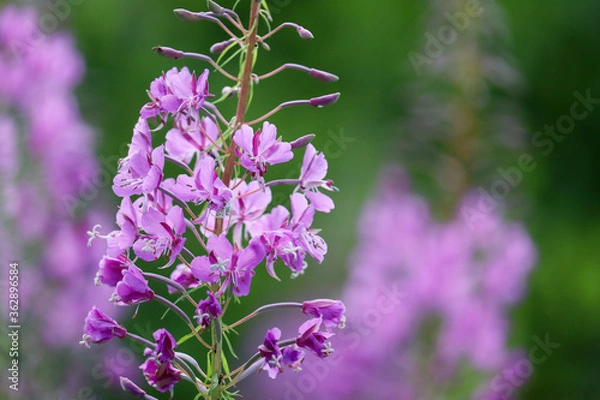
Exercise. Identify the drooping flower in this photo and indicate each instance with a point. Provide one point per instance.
(100, 328)
(165, 345)
(223, 261)
(111, 270)
(331, 311)
(313, 339)
(161, 376)
(158, 367)
(208, 309)
(260, 149)
(271, 353)
(133, 288)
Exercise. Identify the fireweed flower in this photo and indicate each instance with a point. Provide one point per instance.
(211, 214)
(331, 312)
(261, 148)
(312, 177)
(415, 275)
(133, 288)
(207, 310)
(48, 170)
(100, 328)
(223, 261)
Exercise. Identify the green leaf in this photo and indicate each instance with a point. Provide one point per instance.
(229, 346)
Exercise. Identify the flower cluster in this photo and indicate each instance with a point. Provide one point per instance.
(219, 200)
(428, 301)
(47, 171)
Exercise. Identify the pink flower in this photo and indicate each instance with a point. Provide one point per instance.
(261, 148)
(204, 186)
(223, 261)
(100, 328)
(312, 177)
(164, 235)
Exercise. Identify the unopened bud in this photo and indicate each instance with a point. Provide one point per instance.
(218, 48)
(303, 141)
(326, 100)
(214, 7)
(168, 52)
(323, 76)
(187, 15)
(304, 33)
(229, 91)
(130, 387)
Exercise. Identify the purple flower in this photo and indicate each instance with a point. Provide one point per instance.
(261, 148)
(271, 353)
(111, 270)
(176, 92)
(133, 288)
(127, 219)
(190, 137)
(186, 93)
(292, 356)
(183, 275)
(165, 346)
(223, 261)
(330, 311)
(161, 376)
(249, 203)
(312, 339)
(100, 328)
(158, 368)
(163, 235)
(287, 239)
(204, 186)
(312, 177)
(158, 90)
(141, 173)
(208, 310)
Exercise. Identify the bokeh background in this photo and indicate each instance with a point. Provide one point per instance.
(555, 45)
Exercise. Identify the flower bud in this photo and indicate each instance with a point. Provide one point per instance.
(131, 388)
(218, 48)
(303, 141)
(186, 15)
(168, 52)
(304, 33)
(214, 7)
(326, 100)
(323, 76)
(229, 91)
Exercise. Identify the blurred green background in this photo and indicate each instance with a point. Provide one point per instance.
(557, 46)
